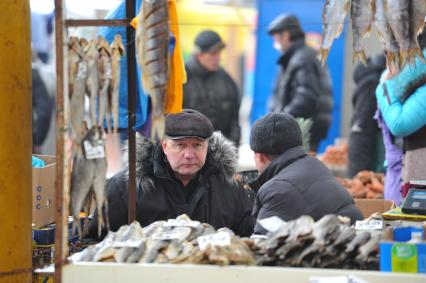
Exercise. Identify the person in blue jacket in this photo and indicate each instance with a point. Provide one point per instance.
(401, 99)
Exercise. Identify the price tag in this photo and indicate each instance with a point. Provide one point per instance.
(167, 235)
(82, 71)
(369, 225)
(217, 239)
(127, 244)
(272, 224)
(182, 223)
(94, 151)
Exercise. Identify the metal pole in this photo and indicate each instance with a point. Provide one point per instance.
(62, 158)
(131, 80)
(97, 22)
(15, 142)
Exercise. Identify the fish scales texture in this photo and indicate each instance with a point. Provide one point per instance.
(362, 15)
(386, 37)
(152, 44)
(333, 18)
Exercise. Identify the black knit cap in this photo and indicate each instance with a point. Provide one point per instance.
(275, 133)
(188, 123)
(286, 22)
(209, 41)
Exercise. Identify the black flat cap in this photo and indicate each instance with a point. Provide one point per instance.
(286, 22)
(209, 41)
(275, 133)
(188, 123)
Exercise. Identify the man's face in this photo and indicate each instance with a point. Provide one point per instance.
(261, 161)
(210, 60)
(186, 156)
(282, 40)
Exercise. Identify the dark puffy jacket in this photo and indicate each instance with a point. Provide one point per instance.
(216, 200)
(363, 138)
(42, 108)
(296, 184)
(215, 95)
(303, 89)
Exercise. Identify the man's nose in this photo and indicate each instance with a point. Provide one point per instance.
(189, 153)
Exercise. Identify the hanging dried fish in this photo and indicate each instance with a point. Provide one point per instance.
(105, 75)
(117, 50)
(333, 18)
(92, 83)
(400, 13)
(152, 47)
(77, 85)
(386, 37)
(362, 15)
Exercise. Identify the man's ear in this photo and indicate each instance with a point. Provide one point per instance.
(164, 146)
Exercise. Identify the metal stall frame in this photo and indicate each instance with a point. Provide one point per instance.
(62, 181)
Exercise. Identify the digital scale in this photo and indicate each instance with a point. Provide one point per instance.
(415, 202)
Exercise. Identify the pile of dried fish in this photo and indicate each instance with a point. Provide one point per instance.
(94, 70)
(398, 23)
(177, 241)
(326, 243)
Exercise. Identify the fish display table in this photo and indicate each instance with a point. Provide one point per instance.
(159, 273)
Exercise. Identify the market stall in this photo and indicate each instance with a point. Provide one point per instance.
(283, 242)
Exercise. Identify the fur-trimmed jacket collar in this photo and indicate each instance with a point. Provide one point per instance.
(222, 156)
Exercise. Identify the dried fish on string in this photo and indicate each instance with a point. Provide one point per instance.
(152, 48)
(362, 15)
(386, 37)
(117, 50)
(92, 83)
(105, 76)
(333, 19)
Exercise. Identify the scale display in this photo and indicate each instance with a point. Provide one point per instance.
(415, 202)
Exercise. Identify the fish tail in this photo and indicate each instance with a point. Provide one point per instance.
(360, 55)
(404, 56)
(392, 60)
(323, 55)
(158, 127)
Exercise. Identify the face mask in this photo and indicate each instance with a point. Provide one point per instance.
(277, 46)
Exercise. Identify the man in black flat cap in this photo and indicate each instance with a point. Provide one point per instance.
(210, 89)
(303, 86)
(292, 183)
(190, 172)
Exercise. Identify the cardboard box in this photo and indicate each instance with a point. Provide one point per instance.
(371, 206)
(43, 192)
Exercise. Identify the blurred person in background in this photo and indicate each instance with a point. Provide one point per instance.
(303, 87)
(365, 140)
(43, 106)
(401, 99)
(210, 89)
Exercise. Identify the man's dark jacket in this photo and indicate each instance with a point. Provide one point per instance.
(215, 95)
(303, 89)
(216, 199)
(363, 138)
(296, 184)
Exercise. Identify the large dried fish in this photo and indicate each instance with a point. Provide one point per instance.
(77, 87)
(89, 176)
(92, 83)
(333, 18)
(362, 15)
(405, 31)
(105, 75)
(386, 37)
(152, 47)
(117, 50)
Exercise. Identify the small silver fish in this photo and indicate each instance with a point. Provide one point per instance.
(105, 75)
(92, 83)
